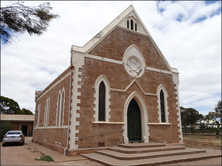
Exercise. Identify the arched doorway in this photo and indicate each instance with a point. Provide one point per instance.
(134, 121)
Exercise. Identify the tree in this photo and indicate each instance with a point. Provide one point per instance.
(216, 115)
(189, 116)
(218, 109)
(5, 126)
(20, 18)
(26, 111)
(8, 106)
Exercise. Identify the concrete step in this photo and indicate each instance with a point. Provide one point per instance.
(136, 156)
(142, 145)
(148, 161)
(143, 150)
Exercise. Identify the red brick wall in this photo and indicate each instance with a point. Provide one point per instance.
(115, 44)
(53, 134)
(113, 47)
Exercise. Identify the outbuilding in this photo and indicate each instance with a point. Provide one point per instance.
(20, 122)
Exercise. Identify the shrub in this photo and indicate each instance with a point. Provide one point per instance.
(192, 129)
(202, 126)
(5, 127)
(45, 158)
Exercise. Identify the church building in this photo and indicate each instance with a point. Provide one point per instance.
(118, 89)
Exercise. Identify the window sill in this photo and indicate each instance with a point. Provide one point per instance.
(159, 124)
(115, 123)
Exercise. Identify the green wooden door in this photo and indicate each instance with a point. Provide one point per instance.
(134, 121)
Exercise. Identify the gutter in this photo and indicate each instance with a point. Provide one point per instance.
(70, 91)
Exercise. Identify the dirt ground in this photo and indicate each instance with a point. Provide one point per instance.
(202, 141)
(25, 155)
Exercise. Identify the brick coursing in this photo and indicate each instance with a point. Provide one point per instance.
(115, 44)
(112, 46)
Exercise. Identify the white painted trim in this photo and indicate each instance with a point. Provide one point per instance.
(51, 127)
(48, 111)
(161, 87)
(77, 60)
(121, 90)
(159, 124)
(100, 79)
(158, 70)
(144, 117)
(115, 123)
(58, 108)
(46, 116)
(41, 95)
(103, 59)
(103, 33)
(62, 105)
(38, 116)
(122, 63)
(108, 29)
(178, 114)
(133, 51)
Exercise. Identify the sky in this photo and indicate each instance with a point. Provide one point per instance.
(188, 34)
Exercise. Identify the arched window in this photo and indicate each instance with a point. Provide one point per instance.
(102, 97)
(102, 101)
(58, 110)
(47, 105)
(62, 109)
(131, 24)
(38, 118)
(135, 26)
(162, 105)
(128, 24)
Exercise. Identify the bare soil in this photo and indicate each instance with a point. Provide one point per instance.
(25, 155)
(13, 155)
(201, 141)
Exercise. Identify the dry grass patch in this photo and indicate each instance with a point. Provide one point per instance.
(202, 141)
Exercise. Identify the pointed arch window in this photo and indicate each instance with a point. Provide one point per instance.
(131, 22)
(38, 117)
(58, 110)
(162, 105)
(62, 109)
(102, 101)
(47, 106)
(128, 24)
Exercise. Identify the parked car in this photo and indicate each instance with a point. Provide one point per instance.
(13, 137)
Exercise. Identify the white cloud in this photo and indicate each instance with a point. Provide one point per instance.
(194, 48)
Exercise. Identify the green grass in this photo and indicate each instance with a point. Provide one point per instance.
(45, 158)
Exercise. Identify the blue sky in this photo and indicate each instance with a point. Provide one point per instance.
(187, 32)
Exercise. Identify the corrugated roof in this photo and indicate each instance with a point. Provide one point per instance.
(17, 117)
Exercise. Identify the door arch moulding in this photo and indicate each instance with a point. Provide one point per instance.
(144, 117)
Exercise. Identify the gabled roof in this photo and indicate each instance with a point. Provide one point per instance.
(117, 21)
(17, 117)
(120, 21)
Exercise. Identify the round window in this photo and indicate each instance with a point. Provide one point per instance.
(133, 66)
